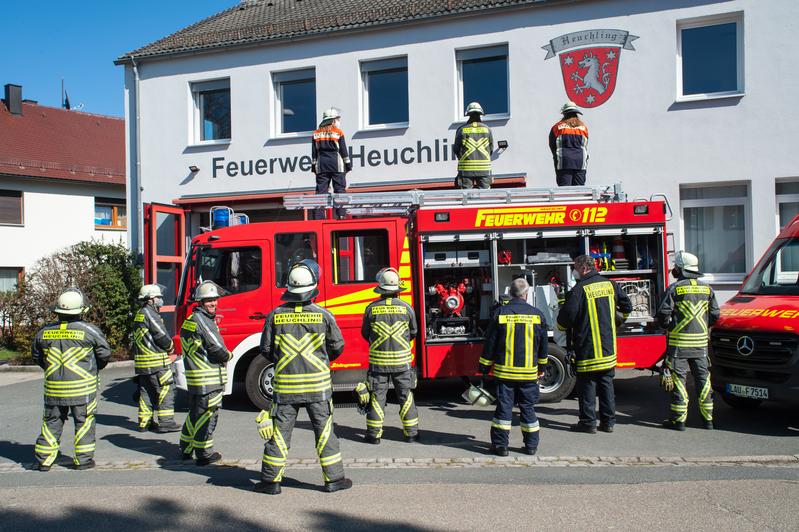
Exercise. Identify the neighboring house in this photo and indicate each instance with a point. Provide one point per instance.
(62, 181)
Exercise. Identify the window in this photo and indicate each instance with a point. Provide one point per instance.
(110, 214)
(9, 279)
(787, 210)
(715, 229)
(10, 207)
(295, 101)
(234, 269)
(211, 110)
(385, 92)
(710, 55)
(483, 78)
(359, 255)
(778, 274)
(291, 248)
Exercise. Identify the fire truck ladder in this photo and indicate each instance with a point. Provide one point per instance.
(402, 202)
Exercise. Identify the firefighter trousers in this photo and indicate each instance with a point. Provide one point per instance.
(484, 181)
(323, 181)
(156, 397)
(510, 394)
(49, 441)
(197, 435)
(404, 383)
(679, 397)
(590, 385)
(276, 450)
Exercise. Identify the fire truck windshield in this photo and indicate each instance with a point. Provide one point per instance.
(236, 269)
(778, 273)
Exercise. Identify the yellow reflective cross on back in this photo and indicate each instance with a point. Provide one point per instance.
(304, 347)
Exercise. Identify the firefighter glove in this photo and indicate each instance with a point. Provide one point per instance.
(361, 393)
(265, 428)
(666, 379)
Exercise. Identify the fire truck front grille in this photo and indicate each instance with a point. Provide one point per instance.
(767, 349)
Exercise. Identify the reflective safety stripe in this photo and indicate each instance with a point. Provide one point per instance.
(62, 385)
(408, 422)
(706, 401)
(396, 332)
(485, 362)
(515, 373)
(51, 449)
(596, 364)
(305, 347)
(501, 424)
(530, 427)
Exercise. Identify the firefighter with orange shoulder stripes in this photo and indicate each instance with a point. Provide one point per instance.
(687, 311)
(330, 160)
(300, 338)
(516, 346)
(205, 358)
(473, 146)
(71, 352)
(568, 142)
(389, 325)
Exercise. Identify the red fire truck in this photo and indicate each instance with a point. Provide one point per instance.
(458, 252)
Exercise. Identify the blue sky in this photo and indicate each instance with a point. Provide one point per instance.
(44, 42)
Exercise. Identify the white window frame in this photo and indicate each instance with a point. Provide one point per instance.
(378, 65)
(477, 52)
(278, 78)
(195, 90)
(713, 20)
(783, 198)
(730, 278)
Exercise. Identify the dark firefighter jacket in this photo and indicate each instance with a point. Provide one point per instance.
(589, 312)
(329, 151)
(204, 353)
(516, 342)
(389, 325)
(569, 146)
(473, 146)
(301, 339)
(71, 352)
(687, 310)
(151, 343)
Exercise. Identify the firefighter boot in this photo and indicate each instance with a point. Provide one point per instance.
(674, 425)
(87, 465)
(268, 488)
(211, 459)
(338, 485)
(499, 451)
(371, 439)
(169, 426)
(707, 425)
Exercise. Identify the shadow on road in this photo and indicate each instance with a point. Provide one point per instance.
(426, 437)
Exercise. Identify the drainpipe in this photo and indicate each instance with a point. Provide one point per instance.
(135, 192)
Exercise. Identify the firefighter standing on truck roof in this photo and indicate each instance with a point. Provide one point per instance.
(593, 309)
(71, 352)
(205, 358)
(330, 160)
(473, 146)
(152, 350)
(300, 338)
(516, 346)
(568, 142)
(389, 325)
(687, 310)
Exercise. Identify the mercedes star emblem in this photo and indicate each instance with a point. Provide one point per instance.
(745, 345)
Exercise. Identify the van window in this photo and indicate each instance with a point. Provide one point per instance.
(291, 248)
(359, 255)
(234, 269)
(779, 273)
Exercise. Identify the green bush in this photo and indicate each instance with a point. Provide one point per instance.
(105, 273)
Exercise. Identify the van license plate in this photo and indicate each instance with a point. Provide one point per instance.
(750, 392)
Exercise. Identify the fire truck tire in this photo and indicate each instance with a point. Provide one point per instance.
(740, 403)
(558, 382)
(258, 382)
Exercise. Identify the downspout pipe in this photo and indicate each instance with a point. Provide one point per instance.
(135, 187)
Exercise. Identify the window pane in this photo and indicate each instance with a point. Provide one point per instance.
(717, 236)
(10, 207)
(291, 248)
(234, 269)
(103, 215)
(788, 187)
(486, 81)
(298, 99)
(779, 273)
(729, 191)
(388, 96)
(9, 278)
(122, 216)
(359, 256)
(215, 114)
(709, 59)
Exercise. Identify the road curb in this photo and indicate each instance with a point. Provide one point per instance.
(8, 368)
(453, 463)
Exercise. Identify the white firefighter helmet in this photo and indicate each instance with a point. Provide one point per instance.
(687, 262)
(208, 290)
(570, 107)
(328, 115)
(389, 282)
(302, 281)
(477, 396)
(150, 291)
(70, 303)
(473, 108)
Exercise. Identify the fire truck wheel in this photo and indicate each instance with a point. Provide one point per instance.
(557, 382)
(741, 403)
(258, 382)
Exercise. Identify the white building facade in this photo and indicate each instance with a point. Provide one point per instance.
(689, 98)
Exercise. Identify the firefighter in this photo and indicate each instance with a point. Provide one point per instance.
(389, 325)
(330, 160)
(687, 311)
(152, 353)
(301, 338)
(568, 142)
(473, 146)
(590, 315)
(205, 358)
(71, 352)
(516, 347)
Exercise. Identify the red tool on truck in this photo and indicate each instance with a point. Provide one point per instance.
(457, 250)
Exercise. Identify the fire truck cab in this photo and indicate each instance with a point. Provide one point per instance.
(457, 251)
